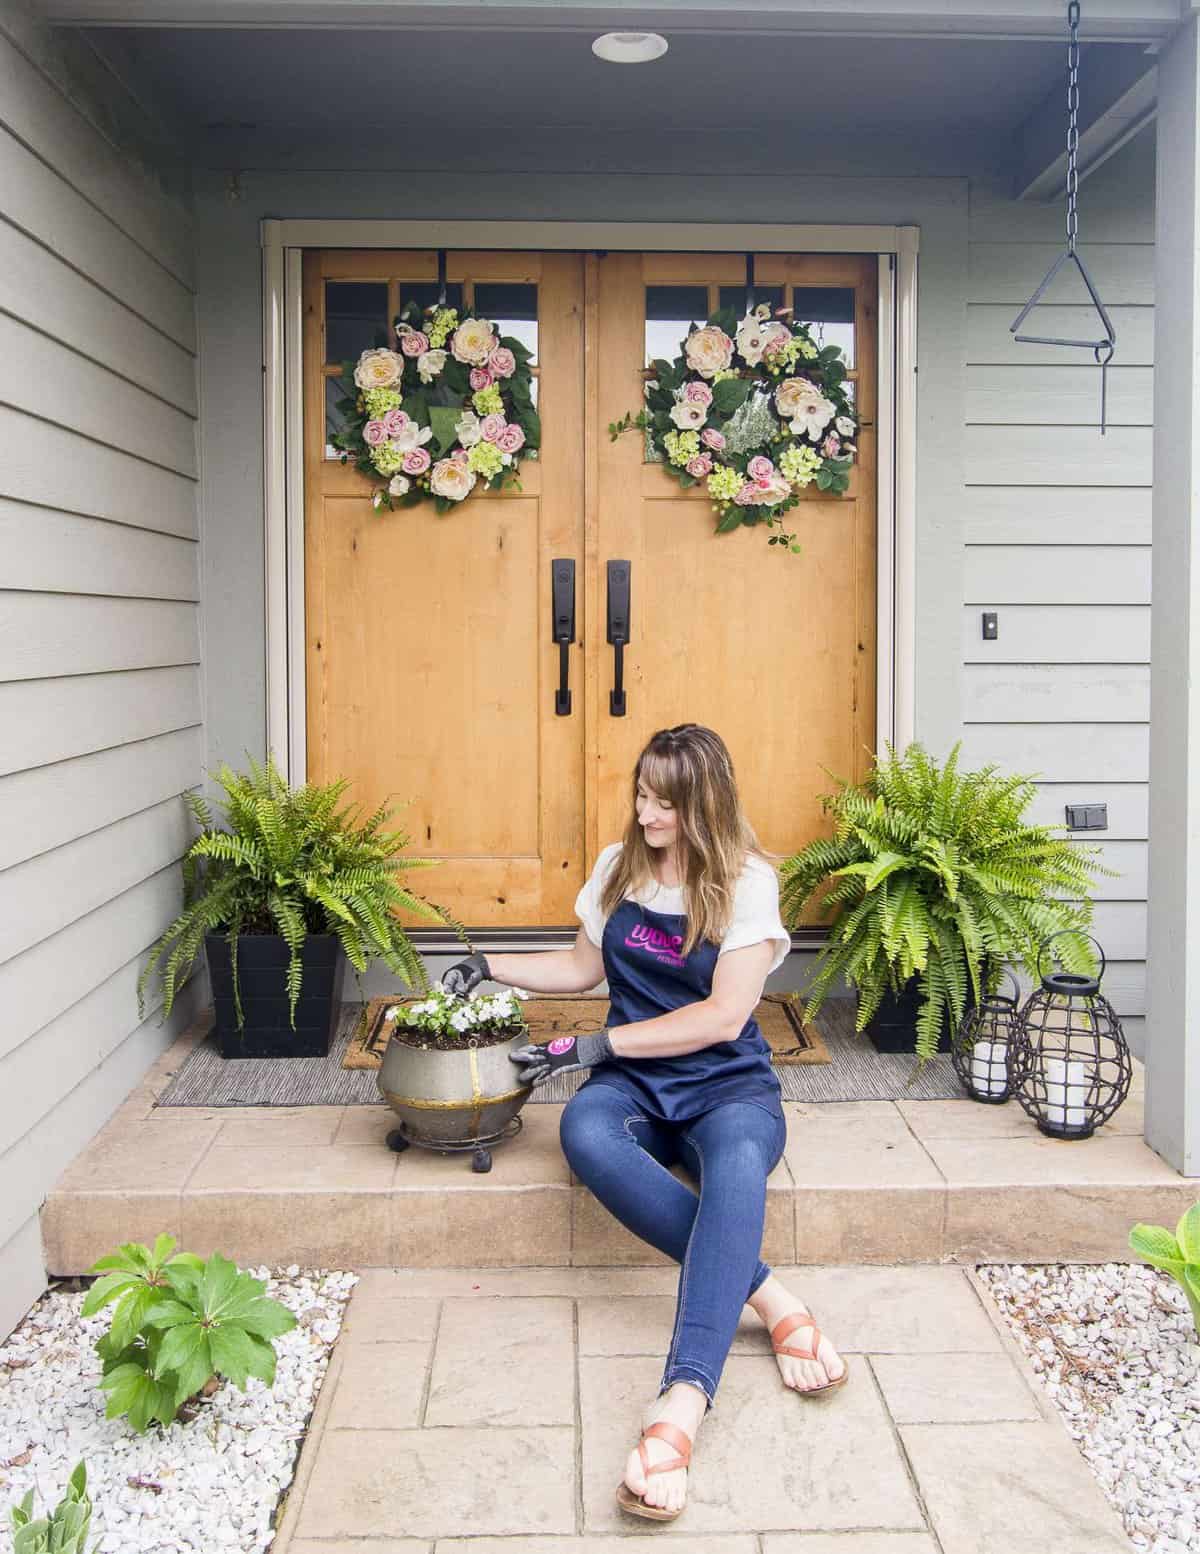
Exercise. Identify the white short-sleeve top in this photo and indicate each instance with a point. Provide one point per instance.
(755, 905)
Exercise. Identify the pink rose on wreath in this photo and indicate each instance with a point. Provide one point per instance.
(745, 497)
(375, 434)
(481, 378)
(711, 438)
(414, 342)
(831, 446)
(511, 439)
(699, 466)
(416, 461)
(502, 362)
(394, 423)
(492, 427)
(760, 469)
(697, 393)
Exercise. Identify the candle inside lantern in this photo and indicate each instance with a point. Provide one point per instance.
(989, 1072)
(1066, 1089)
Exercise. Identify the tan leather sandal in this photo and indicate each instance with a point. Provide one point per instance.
(674, 1436)
(784, 1328)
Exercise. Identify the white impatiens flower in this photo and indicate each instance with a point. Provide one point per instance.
(804, 407)
(410, 435)
(687, 415)
(430, 365)
(845, 426)
(399, 485)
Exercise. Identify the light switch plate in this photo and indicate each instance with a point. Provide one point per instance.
(991, 626)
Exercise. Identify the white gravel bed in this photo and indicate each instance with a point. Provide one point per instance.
(1115, 1348)
(210, 1484)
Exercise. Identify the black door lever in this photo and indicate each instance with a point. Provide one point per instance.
(562, 589)
(618, 631)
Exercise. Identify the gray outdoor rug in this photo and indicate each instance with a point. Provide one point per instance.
(856, 1072)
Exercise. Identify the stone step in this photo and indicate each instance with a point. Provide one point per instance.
(860, 1182)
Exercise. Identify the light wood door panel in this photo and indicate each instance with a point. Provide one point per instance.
(774, 651)
(431, 670)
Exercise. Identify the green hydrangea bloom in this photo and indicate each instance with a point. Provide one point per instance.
(681, 446)
(387, 458)
(445, 322)
(488, 401)
(799, 464)
(379, 401)
(485, 459)
(724, 483)
(725, 372)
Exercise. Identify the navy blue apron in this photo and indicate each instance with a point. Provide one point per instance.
(649, 975)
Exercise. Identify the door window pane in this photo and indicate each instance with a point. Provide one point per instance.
(335, 419)
(355, 318)
(829, 311)
(735, 297)
(513, 309)
(670, 313)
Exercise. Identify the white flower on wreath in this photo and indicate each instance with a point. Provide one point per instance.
(688, 415)
(430, 364)
(804, 407)
(452, 480)
(468, 428)
(845, 426)
(708, 350)
(399, 485)
(410, 435)
(378, 369)
(473, 341)
(755, 334)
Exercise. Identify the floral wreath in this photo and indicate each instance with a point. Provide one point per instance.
(467, 413)
(754, 409)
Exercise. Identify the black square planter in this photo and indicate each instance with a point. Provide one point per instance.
(894, 1026)
(262, 978)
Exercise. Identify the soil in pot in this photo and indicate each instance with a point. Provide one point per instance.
(262, 977)
(430, 1041)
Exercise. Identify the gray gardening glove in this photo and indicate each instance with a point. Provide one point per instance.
(462, 979)
(563, 1055)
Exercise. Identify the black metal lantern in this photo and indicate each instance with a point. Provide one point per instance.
(981, 1048)
(1070, 1062)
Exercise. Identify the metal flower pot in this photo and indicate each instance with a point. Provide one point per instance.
(455, 1098)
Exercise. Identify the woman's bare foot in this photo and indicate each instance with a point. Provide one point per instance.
(684, 1406)
(773, 1301)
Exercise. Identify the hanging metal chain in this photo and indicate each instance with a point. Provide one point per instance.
(1072, 124)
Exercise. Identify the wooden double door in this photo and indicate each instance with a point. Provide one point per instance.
(432, 669)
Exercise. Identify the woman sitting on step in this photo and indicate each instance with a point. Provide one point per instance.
(682, 918)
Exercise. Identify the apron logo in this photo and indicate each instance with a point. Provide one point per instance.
(560, 1044)
(663, 946)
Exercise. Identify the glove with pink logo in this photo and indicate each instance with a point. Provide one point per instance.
(563, 1055)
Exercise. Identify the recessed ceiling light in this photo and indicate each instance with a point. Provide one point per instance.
(629, 48)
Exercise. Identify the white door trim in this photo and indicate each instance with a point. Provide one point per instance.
(283, 482)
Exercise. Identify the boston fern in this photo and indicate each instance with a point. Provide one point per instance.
(934, 873)
(290, 862)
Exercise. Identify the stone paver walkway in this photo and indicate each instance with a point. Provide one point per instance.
(490, 1412)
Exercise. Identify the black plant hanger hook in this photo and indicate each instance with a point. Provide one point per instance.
(1103, 348)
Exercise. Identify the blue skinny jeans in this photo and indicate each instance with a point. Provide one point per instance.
(622, 1156)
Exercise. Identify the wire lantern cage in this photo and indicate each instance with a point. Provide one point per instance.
(1070, 1063)
(982, 1045)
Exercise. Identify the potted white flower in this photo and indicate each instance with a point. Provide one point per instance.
(447, 1073)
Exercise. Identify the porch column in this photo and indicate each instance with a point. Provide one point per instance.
(1173, 1008)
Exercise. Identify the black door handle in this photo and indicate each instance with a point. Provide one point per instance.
(618, 631)
(562, 589)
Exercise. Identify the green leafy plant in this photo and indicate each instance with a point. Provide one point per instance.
(1178, 1254)
(64, 1531)
(177, 1322)
(289, 861)
(935, 873)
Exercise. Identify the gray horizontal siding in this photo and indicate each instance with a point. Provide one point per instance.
(100, 694)
(1057, 531)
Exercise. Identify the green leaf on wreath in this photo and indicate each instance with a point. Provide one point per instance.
(729, 394)
(686, 480)
(455, 375)
(444, 419)
(824, 480)
(416, 407)
(531, 425)
(665, 374)
(726, 319)
(442, 504)
(733, 519)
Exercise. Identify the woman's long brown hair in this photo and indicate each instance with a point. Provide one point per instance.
(690, 768)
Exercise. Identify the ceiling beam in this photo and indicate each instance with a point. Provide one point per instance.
(1118, 98)
(1107, 20)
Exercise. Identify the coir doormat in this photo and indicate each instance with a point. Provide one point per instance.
(790, 1038)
